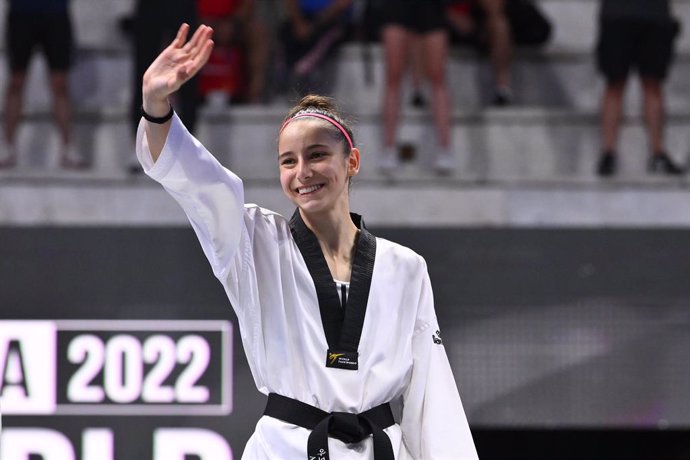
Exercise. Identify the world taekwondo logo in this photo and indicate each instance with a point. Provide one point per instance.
(342, 360)
(332, 357)
(437, 338)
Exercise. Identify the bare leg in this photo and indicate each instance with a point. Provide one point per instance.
(396, 42)
(417, 70)
(435, 45)
(500, 43)
(654, 114)
(611, 113)
(258, 52)
(62, 108)
(654, 111)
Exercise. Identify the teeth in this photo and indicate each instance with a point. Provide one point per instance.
(310, 189)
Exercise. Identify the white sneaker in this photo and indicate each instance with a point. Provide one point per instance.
(388, 161)
(445, 163)
(71, 159)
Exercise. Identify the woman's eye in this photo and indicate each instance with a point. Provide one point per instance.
(318, 154)
(287, 162)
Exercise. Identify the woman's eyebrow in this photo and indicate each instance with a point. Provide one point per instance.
(308, 147)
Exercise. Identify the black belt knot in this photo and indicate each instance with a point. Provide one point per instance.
(347, 427)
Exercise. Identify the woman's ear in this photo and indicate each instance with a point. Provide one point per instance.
(353, 162)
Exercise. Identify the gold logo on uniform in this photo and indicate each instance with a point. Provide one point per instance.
(332, 357)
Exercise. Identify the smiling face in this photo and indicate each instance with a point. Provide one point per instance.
(314, 169)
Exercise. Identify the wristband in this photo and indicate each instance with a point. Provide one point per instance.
(157, 120)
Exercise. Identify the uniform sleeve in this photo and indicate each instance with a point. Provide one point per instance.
(433, 423)
(211, 196)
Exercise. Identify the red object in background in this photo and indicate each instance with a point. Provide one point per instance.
(216, 8)
(461, 7)
(224, 71)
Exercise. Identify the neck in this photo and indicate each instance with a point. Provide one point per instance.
(336, 234)
(335, 231)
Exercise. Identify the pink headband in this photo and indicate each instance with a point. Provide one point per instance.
(323, 117)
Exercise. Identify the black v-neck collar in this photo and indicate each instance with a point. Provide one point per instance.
(343, 328)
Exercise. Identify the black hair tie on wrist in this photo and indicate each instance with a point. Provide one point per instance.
(157, 120)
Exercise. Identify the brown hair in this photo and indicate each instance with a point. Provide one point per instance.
(322, 105)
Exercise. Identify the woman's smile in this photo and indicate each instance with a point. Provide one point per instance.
(309, 189)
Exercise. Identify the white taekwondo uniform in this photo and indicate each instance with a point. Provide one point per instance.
(254, 255)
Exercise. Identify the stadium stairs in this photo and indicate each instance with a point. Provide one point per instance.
(531, 164)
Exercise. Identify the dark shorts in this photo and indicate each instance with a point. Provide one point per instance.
(420, 16)
(632, 45)
(52, 33)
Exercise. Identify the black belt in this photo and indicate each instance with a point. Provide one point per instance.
(344, 426)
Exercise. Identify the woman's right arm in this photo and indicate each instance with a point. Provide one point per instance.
(176, 64)
(211, 196)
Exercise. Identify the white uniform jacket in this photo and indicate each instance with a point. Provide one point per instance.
(253, 254)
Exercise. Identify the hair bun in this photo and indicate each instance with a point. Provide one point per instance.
(318, 102)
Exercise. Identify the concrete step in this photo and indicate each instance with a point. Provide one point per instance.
(60, 200)
(550, 135)
(507, 145)
(491, 145)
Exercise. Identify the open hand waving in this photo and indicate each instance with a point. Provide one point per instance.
(176, 64)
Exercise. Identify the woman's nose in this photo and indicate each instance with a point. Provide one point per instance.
(303, 170)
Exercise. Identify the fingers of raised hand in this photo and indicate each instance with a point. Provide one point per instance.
(204, 53)
(181, 36)
(201, 36)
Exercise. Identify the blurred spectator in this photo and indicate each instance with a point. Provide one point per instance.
(237, 67)
(498, 38)
(313, 33)
(154, 25)
(635, 35)
(497, 26)
(407, 21)
(44, 24)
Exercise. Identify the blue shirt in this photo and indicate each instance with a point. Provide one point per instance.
(313, 6)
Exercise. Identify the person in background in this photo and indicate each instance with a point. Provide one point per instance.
(239, 60)
(486, 21)
(153, 24)
(404, 22)
(635, 36)
(311, 37)
(45, 25)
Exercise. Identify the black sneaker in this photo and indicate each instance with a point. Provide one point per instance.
(661, 163)
(418, 100)
(503, 96)
(607, 164)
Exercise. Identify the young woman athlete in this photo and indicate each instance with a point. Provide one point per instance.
(336, 323)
